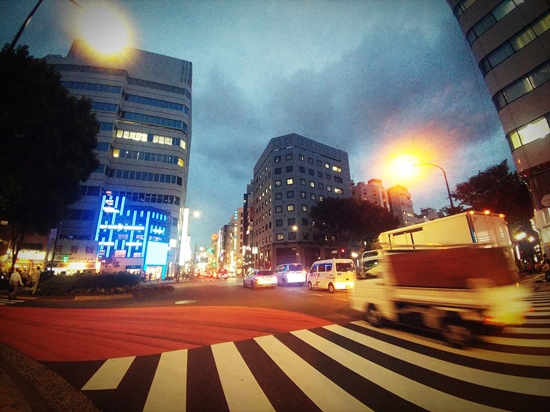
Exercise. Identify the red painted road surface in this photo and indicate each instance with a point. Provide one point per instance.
(97, 334)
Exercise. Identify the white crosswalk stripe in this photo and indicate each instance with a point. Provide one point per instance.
(424, 373)
(4, 301)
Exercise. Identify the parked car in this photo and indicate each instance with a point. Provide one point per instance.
(332, 274)
(256, 278)
(291, 274)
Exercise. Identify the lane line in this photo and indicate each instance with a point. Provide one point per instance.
(242, 391)
(168, 391)
(424, 396)
(473, 352)
(313, 383)
(110, 374)
(529, 386)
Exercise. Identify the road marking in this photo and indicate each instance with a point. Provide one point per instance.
(169, 388)
(512, 358)
(406, 388)
(242, 391)
(184, 302)
(110, 374)
(313, 383)
(532, 331)
(529, 386)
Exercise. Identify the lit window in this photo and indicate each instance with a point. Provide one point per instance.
(327, 166)
(116, 152)
(311, 184)
(533, 131)
(278, 183)
(336, 168)
(338, 190)
(279, 236)
(290, 181)
(290, 208)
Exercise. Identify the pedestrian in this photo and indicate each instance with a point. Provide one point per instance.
(15, 281)
(35, 277)
(24, 277)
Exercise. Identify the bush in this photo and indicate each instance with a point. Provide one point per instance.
(58, 285)
(106, 284)
(108, 280)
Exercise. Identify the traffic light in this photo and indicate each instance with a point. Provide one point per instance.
(65, 258)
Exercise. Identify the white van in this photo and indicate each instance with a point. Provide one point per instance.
(332, 274)
(290, 274)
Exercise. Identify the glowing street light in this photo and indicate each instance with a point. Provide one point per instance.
(103, 29)
(405, 164)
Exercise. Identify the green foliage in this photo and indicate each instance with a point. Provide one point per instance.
(59, 285)
(500, 191)
(105, 284)
(48, 142)
(340, 222)
(108, 280)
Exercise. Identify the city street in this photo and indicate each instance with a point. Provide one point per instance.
(215, 345)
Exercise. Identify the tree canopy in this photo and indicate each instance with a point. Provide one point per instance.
(344, 221)
(48, 139)
(500, 191)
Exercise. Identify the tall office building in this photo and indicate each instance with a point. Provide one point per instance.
(510, 40)
(290, 177)
(131, 213)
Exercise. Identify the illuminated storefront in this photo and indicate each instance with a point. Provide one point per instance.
(131, 237)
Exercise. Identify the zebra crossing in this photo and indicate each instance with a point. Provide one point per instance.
(352, 367)
(4, 301)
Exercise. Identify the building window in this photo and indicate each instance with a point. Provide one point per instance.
(278, 209)
(302, 169)
(327, 166)
(301, 157)
(311, 172)
(277, 159)
(289, 169)
(304, 208)
(292, 236)
(312, 196)
(288, 156)
(311, 183)
(278, 222)
(329, 188)
(277, 171)
(290, 208)
(310, 160)
(278, 196)
(303, 195)
(336, 168)
(320, 175)
(304, 222)
(279, 236)
(303, 182)
(290, 194)
(305, 236)
(321, 186)
(338, 190)
(278, 183)
(291, 221)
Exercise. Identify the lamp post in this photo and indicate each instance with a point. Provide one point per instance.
(446, 182)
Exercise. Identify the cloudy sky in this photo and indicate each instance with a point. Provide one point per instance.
(377, 78)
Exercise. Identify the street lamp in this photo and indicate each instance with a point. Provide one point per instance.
(446, 182)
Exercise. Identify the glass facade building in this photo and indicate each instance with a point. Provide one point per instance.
(131, 209)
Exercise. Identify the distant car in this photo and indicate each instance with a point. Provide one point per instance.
(291, 274)
(257, 278)
(222, 274)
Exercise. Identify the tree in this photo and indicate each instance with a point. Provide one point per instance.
(343, 221)
(500, 191)
(48, 140)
